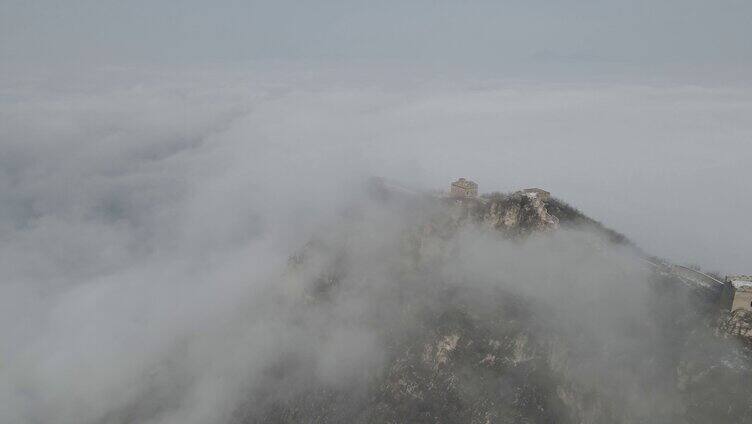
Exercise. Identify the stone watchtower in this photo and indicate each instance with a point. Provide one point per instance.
(738, 292)
(463, 188)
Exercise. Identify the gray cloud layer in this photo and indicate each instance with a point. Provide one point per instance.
(143, 224)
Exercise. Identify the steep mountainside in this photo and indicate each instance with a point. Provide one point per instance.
(500, 309)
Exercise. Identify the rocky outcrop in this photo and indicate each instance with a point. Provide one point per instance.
(736, 323)
(520, 212)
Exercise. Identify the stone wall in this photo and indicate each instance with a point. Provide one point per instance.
(463, 188)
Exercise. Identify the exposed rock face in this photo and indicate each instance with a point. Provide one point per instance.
(520, 212)
(736, 323)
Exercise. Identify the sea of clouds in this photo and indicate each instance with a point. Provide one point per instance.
(146, 215)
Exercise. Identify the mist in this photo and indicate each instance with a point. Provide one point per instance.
(147, 219)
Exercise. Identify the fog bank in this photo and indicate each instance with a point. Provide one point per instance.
(146, 222)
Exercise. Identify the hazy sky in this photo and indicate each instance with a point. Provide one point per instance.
(444, 33)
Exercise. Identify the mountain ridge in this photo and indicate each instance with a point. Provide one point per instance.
(436, 309)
